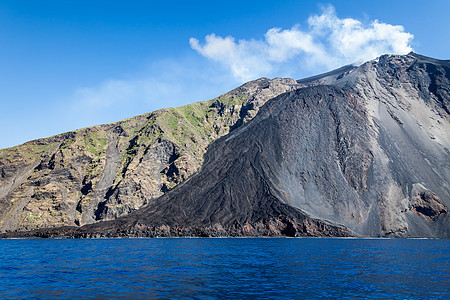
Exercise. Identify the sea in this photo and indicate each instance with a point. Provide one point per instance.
(224, 268)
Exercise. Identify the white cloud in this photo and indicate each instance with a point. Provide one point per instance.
(328, 42)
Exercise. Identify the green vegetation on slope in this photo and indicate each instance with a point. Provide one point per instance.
(29, 151)
(95, 142)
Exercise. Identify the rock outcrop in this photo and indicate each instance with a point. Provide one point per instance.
(107, 171)
(360, 151)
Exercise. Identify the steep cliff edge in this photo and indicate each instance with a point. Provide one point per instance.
(107, 171)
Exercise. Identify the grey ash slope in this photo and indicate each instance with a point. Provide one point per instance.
(366, 155)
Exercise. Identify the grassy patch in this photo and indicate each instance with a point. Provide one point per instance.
(28, 151)
(232, 99)
(67, 143)
(172, 122)
(95, 143)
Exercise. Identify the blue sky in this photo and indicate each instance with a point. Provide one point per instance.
(71, 64)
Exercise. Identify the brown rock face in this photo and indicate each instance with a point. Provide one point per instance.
(429, 205)
(107, 171)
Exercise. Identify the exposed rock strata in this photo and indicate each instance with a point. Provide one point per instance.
(107, 171)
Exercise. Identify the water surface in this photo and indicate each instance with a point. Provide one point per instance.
(202, 268)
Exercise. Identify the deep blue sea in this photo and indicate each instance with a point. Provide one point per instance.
(215, 268)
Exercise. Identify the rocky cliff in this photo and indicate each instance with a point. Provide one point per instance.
(107, 171)
(360, 151)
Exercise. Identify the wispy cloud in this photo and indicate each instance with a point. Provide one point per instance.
(163, 84)
(327, 42)
(124, 92)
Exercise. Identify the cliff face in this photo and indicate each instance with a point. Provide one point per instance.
(366, 155)
(358, 151)
(107, 171)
